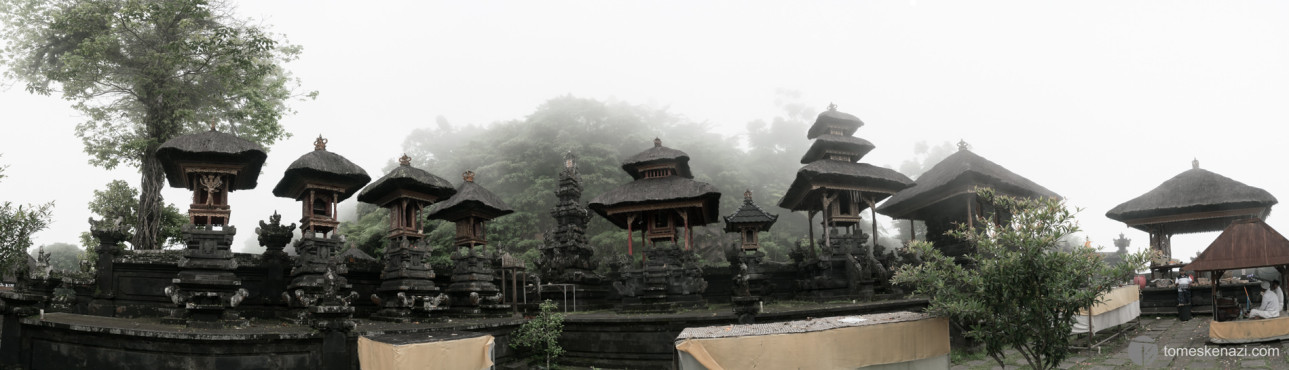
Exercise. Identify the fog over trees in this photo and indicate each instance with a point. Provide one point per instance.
(519, 160)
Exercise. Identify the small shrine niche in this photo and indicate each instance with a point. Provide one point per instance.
(210, 188)
(749, 221)
(844, 211)
(210, 164)
(470, 209)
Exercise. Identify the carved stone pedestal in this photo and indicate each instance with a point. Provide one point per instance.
(473, 292)
(407, 290)
(206, 287)
(669, 278)
(319, 294)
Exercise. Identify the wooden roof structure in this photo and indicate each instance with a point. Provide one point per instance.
(1194, 201)
(470, 198)
(321, 165)
(750, 215)
(957, 175)
(1245, 243)
(212, 148)
(403, 179)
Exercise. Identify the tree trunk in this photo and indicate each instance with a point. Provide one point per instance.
(153, 180)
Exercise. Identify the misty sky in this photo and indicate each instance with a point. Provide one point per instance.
(1099, 101)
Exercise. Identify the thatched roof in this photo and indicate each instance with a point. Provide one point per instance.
(470, 198)
(406, 177)
(212, 147)
(848, 144)
(958, 173)
(878, 182)
(356, 255)
(1245, 243)
(659, 190)
(325, 167)
(1196, 200)
(832, 118)
(656, 155)
(750, 214)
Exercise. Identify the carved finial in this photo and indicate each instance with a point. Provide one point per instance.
(747, 195)
(657, 142)
(568, 159)
(212, 125)
(320, 143)
(468, 175)
(832, 107)
(1195, 163)
(404, 160)
(962, 145)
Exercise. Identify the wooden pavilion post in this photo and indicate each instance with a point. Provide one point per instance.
(1216, 277)
(913, 230)
(810, 228)
(827, 201)
(630, 219)
(685, 216)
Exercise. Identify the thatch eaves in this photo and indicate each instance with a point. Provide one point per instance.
(321, 166)
(750, 214)
(878, 182)
(959, 173)
(1196, 200)
(470, 198)
(846, 144)
(212, 147)
(658, 154)
(659, 190)
(832, 118)
(406, 177)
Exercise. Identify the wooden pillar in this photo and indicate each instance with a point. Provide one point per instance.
(810, 227)
(971, 215)
(630, 219)
(685, 215)
(827, 201)
(913, 230)
(1215, 276)
(873, 212)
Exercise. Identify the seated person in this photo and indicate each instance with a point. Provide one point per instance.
(1271, 302)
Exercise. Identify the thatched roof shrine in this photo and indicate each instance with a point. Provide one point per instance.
(212, 148)
(406, 180)
(659, 191)
(832, 118)
(1245, 243)
(750, 215)
(958, 174)
(836, 143)
(1196, 200)
(657, 155)
(876, 182)
(470, 198)
(321, 166)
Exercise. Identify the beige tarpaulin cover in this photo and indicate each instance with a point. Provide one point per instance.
(1248, 331)
(469, 353)
(1114, 299)
(875, 341)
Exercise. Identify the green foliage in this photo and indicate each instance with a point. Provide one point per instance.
(64, 257)
(541, 333)
(120, 200)
(520, 161)
(17, 224)
(145, 71)
(1023, 291)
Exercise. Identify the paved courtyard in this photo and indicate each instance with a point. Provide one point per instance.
(1160, 342)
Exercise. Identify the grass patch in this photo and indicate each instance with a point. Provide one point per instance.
(961, 356)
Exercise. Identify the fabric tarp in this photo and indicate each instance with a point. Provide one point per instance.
(469, 353)
(886, 343)
(1248, 331)
(1107, 320)
(1114, 299)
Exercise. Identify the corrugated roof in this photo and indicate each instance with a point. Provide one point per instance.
(961, 170)
(1244, 244)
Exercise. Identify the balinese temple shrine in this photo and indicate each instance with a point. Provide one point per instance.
(834, 185)
(664, 203)
(211, 164)
(318, 292)
(472, 292)
(749, 221)
(945, 197)
(1194, 201)
(407, 288)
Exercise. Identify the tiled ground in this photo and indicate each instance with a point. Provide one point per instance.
(1161, 335)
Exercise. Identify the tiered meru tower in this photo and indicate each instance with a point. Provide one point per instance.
(406, 281)
(472, 292)
(566, 257)
(833, 184)
(211, 164)
(662, 199)
(318, 291)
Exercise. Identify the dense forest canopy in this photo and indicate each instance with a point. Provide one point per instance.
(520, 161)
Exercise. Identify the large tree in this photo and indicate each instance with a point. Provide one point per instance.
(1025, 289)
(145, 71)
(17, 223)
